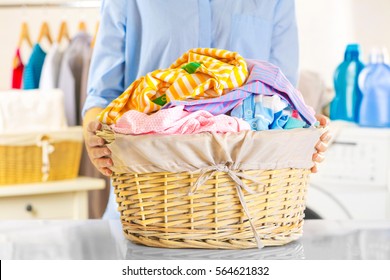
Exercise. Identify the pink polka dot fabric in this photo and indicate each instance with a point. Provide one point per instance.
(177, 121)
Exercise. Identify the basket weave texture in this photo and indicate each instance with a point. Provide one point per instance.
(23, 164)
(160, 210)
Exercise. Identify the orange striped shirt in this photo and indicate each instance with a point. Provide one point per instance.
(220, 71)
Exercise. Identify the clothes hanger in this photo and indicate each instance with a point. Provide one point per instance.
(95, 34)
(45, 33)
(64, 33)
(82, 26)
(24, 35)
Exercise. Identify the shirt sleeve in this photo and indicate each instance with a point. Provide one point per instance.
(284, 45)
(106, 74)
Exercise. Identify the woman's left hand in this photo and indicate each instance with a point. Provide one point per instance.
(322, 145)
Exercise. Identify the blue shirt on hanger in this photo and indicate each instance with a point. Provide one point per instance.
(32, 71)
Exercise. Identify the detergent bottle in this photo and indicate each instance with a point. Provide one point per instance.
(374, 83)
(346, 104)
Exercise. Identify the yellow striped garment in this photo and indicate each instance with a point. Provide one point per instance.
(219, 72)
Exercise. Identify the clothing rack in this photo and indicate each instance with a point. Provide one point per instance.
(63, 4)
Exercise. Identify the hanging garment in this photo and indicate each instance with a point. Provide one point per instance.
(17, 71)
(51, 68)
(97, 199)
(33, 69)
(199, 73)
(84, 78)
(76, 60)
(69, 79)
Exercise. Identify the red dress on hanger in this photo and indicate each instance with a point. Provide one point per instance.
(17, 71)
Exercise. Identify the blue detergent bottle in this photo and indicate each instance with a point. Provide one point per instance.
(346, 104)
(374, 83)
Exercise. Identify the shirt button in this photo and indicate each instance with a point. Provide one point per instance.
(254, 125)
(249, 112)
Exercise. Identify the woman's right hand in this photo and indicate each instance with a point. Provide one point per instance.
(97, 150)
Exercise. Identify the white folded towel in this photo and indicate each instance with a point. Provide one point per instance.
(31, 111)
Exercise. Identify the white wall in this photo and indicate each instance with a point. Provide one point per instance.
(325, 27)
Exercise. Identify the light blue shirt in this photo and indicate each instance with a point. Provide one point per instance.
(139, 36)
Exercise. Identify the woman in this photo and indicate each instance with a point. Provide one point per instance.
(139, 36)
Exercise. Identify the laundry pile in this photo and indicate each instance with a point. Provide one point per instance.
(210, 90)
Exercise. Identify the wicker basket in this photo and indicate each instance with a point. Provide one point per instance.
(25, 163)
(216, 208)
(156, 209)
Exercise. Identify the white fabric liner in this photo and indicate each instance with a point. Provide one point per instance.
(248, 150)
(74, 133)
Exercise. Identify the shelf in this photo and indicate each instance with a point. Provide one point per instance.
(78, 184)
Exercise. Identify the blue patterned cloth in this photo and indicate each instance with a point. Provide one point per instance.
(263, 112)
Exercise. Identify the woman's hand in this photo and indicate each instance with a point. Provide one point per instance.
(322, 145)
(97, 149)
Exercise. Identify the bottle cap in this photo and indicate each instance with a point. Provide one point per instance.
(353, 47)
(352, 51)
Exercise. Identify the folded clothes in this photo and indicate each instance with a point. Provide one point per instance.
(176, 121)
(198, 74)
(24, 111)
